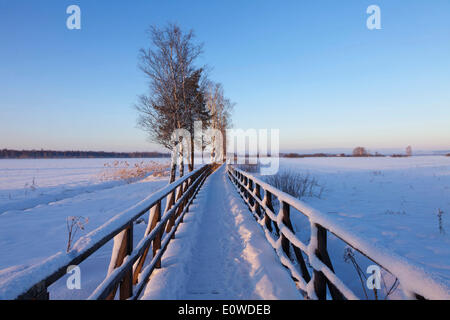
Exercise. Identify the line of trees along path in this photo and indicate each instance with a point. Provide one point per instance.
(179, 95)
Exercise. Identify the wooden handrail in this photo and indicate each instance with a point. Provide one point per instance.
(291, 250)
(127, 271)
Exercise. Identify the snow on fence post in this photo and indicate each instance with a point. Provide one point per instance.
(153, 219)
(123, 246)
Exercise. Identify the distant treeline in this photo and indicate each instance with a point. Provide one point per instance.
(51, 154)
(321, 155)
(297, 155)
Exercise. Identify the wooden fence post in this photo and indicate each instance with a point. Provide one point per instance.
(286, 243)
(177, 212)
(325, 258)
(268, 203)
(320, 283)
(285, 215)
(189, 183)
(153, 219)
(41, 292)
(257, 196)
(126, 285)
(125, 248)
(169, 205)
(157, 241)
(251, 201)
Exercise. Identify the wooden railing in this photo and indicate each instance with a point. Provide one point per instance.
(314, 278)
(128, 272)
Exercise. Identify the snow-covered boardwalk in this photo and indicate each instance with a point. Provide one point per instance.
(220, 252)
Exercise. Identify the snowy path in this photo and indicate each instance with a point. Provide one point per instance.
(220, 253)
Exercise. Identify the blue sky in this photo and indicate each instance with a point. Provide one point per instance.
(310, 68)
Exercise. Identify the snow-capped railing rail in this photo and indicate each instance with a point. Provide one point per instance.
(415, 282)
(127, 271)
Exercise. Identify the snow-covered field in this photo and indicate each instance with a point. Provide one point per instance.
(26, 183)
(392, 202)
(33, 220)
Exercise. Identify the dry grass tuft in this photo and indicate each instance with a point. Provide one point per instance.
(296, 184)
(122, 170)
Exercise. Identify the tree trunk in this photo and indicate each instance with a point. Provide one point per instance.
(181, 155)
(213, 149)
(191, 160)
(224, 146)
(203, 150)
(173, 168)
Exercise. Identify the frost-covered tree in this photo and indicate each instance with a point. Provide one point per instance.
(220, 109)
(172, 75)
(196, 109)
